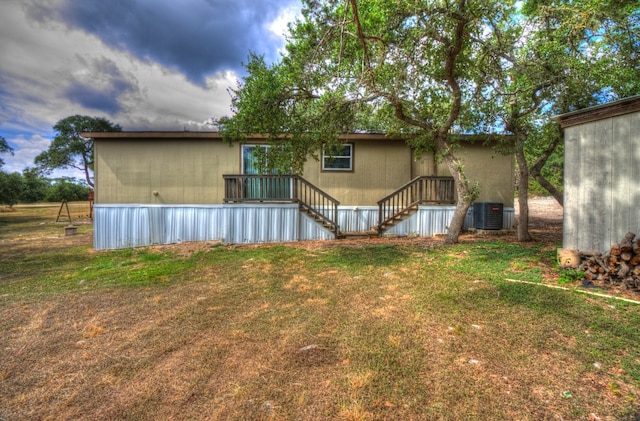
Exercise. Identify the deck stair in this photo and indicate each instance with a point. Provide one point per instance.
(323, 208)
(288, 188)
(320, 218)
(353, 235)
(406, 200)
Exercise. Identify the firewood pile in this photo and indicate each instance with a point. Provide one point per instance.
(619, 266)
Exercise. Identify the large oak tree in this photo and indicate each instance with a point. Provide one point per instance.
(69, 149)
(404, 67)
(433, 69)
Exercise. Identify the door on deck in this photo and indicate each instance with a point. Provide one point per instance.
(268, 188)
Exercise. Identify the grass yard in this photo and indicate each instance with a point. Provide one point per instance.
(387, 329)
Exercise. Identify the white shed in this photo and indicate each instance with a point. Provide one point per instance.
(601, 174)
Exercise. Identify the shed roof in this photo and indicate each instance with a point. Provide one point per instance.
(599, 112)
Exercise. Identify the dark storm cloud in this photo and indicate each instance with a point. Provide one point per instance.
(195, 37)
(99, 84)
(92, 98)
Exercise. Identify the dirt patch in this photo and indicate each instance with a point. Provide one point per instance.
(217, 347)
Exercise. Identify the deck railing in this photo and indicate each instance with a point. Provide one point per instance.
(258, 188)
(407, 198)
(283, 189)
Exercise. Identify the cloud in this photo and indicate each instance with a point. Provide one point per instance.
(26, 148)
(194, 37)
(142, 64)
(99, 84)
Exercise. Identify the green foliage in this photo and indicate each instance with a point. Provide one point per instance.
(4, 148)
(34, 187)
(66, 189)
(295, 122)
(11, 185)
(69, 149)
(553, 168)
(30, 187)
(568, 276)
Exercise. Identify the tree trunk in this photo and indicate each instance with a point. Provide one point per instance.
(466, 194)
(557, 194)
(535, 170)
(85, 167)
(523, 190)
(457, 222)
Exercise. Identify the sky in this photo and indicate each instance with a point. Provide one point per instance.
(142, 64)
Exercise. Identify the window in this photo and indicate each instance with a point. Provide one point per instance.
(338, 158)
(253, 159)
(260, 186)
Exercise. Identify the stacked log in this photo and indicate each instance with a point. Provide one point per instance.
(620, 266)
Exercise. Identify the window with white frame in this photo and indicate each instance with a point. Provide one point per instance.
(338, 158)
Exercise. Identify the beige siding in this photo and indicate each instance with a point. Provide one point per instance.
(493, 171)
(188, 169)
(426, 165)
(180, 171)
(379, 167)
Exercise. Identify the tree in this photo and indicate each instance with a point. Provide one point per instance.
(410, 64)
(69, 149)
(11, 185)
(432, 69)
(35, 187)
(561, 58)
(66, 188)
(4, 148)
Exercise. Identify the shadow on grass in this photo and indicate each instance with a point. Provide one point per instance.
(353, 258)
(604, 326)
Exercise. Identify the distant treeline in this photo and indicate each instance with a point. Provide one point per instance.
(30, 187)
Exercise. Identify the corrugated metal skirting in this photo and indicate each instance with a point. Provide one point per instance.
(428, 221)
(123, 226)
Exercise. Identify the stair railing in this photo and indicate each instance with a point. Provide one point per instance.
(242, 188)
(318, 204)
(406, 199)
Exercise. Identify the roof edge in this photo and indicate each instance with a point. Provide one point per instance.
(157, 135)
(599, 112)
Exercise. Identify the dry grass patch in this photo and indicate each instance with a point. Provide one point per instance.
(353, 332)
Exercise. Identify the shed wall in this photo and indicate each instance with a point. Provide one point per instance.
(602, 166)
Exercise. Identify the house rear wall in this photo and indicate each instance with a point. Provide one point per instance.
(493, 171)
(379, 168)
(189, 171)
(179, 170)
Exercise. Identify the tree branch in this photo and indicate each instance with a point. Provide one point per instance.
(454, 51)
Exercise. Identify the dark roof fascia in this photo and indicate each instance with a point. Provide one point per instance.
(174, 135)
(599, 112)
(152, 135)
(177, 135)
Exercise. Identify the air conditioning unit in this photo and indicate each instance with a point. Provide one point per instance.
(487, 216)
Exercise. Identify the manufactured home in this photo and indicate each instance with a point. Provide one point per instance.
(601, 173)
(168, 187)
